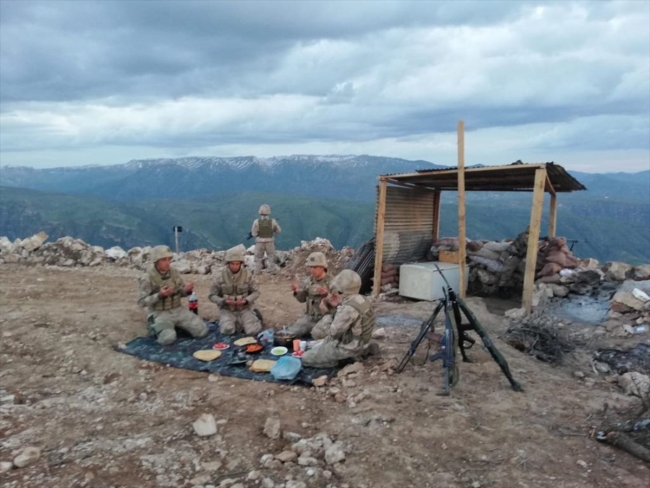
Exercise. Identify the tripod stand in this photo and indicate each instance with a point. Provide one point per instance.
(455, 336)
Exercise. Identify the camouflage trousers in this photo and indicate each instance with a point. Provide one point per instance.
(260, 249)
(164, 324)
(231, 322)
(510, 265)
(318, 327)
(329, 353)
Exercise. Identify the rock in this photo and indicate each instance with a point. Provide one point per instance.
(559, 290)
(320, 381)
(379, 333)
(12, 258)
(287, 456)
(5, 465)
(350, 368)
(265, 460)
(272, 427)
(635, 384)
(5, 245)
(183, 266)
(307, 461)
(27, 457)
(202, 479)
(515, 313)
(212, 466)
(601, 367)
(205, 425)
(335, 453)
(641, 273)
(582, 464)
(624, 302)
(588, 263)
(254, 475)
(616, 271)
(588, 276)
(115, 253)
(32, 243)
(291, 436)
(295, 484)
(268, 483)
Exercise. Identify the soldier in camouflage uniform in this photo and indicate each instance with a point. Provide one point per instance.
(161, 289)
(312, 291)
(263, 230)
(348, 335)
(511, 258)
(234, 290)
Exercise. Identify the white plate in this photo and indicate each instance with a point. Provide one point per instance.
(279, 351)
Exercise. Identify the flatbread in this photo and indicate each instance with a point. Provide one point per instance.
(207, 355)
(262, 366)
(244, 341)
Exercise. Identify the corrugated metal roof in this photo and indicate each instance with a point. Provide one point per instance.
(513, 177)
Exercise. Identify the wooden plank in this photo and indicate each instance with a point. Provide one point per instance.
(533, 239)
(461, 207)
(552, 216)
(379, 236)
(549, 185)
(436, 216)
(531, 166)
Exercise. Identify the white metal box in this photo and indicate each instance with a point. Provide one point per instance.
(422, 281)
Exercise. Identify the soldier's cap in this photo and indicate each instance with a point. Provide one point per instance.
(160, 252)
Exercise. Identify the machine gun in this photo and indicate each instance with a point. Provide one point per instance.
(455, 336)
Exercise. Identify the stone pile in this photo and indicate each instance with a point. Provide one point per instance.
(71, 252)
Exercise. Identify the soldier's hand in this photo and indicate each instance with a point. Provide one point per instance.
(294, 287)
(166, 291)
(242, 302)
(322, 291)
(230, 301)
(324, 308)
(189, 287)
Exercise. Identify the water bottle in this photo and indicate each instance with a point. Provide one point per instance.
(193, 304)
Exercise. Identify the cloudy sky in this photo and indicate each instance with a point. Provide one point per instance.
(103, 82)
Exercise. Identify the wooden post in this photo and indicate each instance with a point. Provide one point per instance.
(435, 235)
(552, 216)
(533, 239)
(461, 207)
(379, 236)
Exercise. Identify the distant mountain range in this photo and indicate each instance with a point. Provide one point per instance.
(216, 199)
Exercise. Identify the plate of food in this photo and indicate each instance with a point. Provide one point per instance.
(253, 348)
(297, 354)
(221, 346)
(279, 351)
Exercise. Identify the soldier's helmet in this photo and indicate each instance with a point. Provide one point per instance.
(316, 259)
(346, 283)
(160, 252)
(265, 210)
(235, 254)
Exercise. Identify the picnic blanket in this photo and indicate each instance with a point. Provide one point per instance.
(179, 355)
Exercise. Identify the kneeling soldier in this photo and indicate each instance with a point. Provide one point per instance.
(161, 289)
(351, 328)
(234, 290)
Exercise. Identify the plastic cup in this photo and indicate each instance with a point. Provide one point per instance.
(296, 345)
(303, 346)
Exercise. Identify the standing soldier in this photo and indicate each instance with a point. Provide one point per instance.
(234, 291)
(161, 289)
(312, 291)
(263, 230)
(351, 328)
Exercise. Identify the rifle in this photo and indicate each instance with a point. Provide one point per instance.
(452, 306)
(249, 236)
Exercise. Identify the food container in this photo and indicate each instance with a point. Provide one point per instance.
(283, 339)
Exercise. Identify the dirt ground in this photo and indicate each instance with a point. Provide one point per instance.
(104, 419)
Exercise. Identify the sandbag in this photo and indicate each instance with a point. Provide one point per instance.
(389, 274)
(389, 281)
(485, 253)
(387, 267)
(550, 269)
(497, 247)
(474, 246)
(556, 278)
(491, 264)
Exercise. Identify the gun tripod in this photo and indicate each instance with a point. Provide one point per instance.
(455, 336)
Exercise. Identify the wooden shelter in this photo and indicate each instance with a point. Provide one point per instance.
(408, 209)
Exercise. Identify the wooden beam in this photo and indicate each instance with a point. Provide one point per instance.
(549, 185)
(461, 207)
(436, 216)
(533, 239)
(534, 166)
(552, 216)
(379, 236)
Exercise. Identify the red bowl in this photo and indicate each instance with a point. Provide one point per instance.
(220, 346)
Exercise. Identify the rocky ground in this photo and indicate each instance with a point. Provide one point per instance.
(98, 418)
